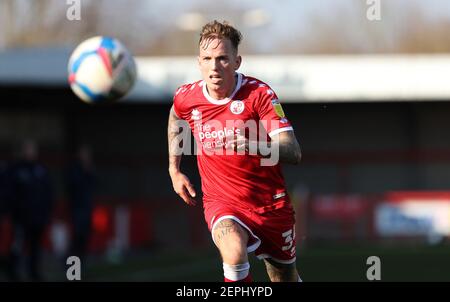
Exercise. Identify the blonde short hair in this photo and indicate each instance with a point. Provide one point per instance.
(220, 30)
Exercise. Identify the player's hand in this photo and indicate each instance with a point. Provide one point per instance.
(183, 188)
(237, 143)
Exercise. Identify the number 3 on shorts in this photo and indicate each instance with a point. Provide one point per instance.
(289, 240)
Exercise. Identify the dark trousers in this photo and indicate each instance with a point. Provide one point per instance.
(26, 250)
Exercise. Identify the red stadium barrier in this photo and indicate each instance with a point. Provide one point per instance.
(340, 216)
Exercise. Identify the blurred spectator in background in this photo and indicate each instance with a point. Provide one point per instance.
(80, 184)
(30, 194)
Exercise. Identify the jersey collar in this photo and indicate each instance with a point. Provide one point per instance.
(225, 100)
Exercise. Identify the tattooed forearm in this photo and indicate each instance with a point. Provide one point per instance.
(288, 147)
(174, 141)
(290, 153)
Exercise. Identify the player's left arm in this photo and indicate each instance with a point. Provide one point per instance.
(282, 144)
(285, 142)
(288, 146)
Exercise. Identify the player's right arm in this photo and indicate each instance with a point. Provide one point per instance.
(180, 182)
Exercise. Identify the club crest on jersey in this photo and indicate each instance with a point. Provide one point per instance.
(196, 115)
(277, 107)
(237, 107)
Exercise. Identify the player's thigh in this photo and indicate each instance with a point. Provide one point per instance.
(280, 272)
(230, 236)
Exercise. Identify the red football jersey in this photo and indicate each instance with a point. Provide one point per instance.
(230, 177)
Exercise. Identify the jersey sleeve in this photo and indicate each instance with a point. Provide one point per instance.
(178, 103)
(271, 113)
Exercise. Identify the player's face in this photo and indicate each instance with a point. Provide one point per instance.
(218, 61)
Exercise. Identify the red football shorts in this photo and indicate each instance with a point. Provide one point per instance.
(271, 229)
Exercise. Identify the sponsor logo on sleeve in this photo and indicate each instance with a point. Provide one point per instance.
(277, 107)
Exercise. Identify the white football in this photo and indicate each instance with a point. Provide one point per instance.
(101, 69)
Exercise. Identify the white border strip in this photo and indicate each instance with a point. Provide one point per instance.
(279, 130)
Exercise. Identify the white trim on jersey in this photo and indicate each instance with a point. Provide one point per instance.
(250, 248)
(279, 130)
(225, 100)
(266, 256)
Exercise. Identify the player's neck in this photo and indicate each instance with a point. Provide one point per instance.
(220, 94)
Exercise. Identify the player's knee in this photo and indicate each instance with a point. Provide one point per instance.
(234, 251)
(231, 239)
(234, 254)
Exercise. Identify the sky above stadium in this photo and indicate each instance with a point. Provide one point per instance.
(283, 17)
(265, 24)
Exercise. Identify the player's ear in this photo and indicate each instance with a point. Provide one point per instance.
(238, 62)
(198, 61)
